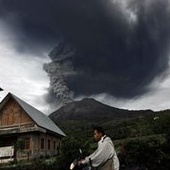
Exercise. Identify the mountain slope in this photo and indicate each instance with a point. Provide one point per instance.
(93, 111)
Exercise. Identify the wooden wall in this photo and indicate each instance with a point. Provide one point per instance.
(13, 114)
(34, 150)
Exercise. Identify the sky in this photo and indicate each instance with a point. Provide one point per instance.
(115, 51)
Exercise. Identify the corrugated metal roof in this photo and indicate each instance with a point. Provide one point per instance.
(40, 118)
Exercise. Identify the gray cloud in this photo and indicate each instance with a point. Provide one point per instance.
(58, 70)
(118, 48)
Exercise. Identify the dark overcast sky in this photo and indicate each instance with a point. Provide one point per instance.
(119, 48)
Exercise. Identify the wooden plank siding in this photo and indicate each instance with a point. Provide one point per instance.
(13, 114)
(16, 124)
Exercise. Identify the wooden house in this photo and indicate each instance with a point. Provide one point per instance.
(25, 132)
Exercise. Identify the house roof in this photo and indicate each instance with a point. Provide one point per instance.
(40, 118)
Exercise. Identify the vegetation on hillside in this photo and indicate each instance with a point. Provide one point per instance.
(141, 142)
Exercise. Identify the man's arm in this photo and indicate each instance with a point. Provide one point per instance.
(100, 156)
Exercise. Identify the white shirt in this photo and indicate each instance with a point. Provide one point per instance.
(104, 152)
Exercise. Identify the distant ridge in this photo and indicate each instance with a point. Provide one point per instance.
(91, 110)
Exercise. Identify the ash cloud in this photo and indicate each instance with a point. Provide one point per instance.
(115, 47)
(59, 70)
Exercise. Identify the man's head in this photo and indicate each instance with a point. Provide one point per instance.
(98, 133)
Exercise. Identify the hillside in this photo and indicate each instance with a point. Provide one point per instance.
(140, 137)
(78, 117)
(91, 110)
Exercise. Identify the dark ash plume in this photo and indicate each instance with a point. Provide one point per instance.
(120, 46)
(58, 70)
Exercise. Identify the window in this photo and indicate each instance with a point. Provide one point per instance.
(27, 143)
(54, 145)
(48, 144)
(42, 143)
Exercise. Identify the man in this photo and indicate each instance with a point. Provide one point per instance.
(105, 157)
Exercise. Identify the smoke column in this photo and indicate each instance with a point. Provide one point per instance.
(58, 70)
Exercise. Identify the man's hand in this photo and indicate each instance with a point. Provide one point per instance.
(81, 162)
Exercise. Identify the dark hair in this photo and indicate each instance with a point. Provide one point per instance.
(99, 129)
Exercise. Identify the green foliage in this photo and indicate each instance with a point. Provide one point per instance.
(140, 153)
(20, 144)
(36, 164)
(70, 150)
(145, 140)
